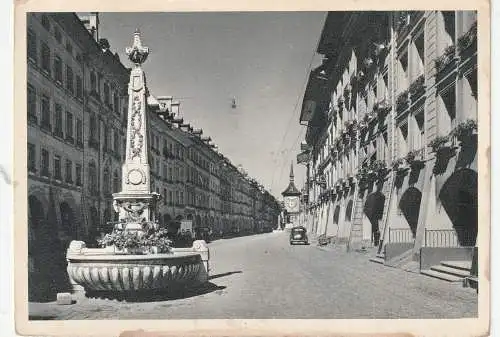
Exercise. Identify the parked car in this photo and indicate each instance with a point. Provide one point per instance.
(298, 235)
(203, 233)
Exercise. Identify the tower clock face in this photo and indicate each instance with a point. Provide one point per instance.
(292, 204)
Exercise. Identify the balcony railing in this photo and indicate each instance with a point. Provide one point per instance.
(401, 235)
(448, 238)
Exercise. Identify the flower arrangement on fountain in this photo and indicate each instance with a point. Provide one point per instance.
(150, 240)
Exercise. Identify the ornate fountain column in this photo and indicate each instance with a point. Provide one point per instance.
(103, 269)
(136, 203)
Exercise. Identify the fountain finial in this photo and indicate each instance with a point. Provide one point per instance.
(137, 53)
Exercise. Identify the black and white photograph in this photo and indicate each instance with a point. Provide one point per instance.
(253, 165)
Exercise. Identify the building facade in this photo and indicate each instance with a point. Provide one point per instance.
(76, 119)
(392, 134)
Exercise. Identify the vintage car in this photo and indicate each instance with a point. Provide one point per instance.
(298, 235)
(203, 233)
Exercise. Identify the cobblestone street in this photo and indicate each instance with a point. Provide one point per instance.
(262, 276)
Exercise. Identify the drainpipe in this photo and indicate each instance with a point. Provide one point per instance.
(84, 166)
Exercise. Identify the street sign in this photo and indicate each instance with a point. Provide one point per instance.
(304, 146)
(308, 110)
(303, 157)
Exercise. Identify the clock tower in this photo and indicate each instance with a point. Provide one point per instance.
(291, 198)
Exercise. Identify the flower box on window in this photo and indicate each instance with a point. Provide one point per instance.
(402, 20)
(414, 159)
(377, 169)
(445, 60)
(467, 43)
(351, 127)
(402, 102)
(417, 88)
(400, 165)
(465, 130)
(439, 143)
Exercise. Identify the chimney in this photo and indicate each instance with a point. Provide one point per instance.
(165, 103)
(175, 108)
(91, 22)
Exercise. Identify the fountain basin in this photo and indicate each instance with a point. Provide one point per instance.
(100, 270)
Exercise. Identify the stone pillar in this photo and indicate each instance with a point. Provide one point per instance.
(135, 203)
(75, 247)
(200, 246)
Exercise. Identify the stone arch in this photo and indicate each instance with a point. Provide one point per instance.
(68, 223)
(45, 255)
(459, 198)
(409, 204)
(37, 224)
(374, 209)
(348, 210)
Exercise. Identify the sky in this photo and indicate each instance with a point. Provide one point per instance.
(204, 60)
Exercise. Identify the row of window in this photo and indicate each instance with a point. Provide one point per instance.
(52, 64)
(66, 127)
(45, 21)
(72, 171)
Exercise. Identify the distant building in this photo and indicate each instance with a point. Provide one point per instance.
(291, 200)
(392, 131)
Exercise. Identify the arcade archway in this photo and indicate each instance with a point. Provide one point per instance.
(374, 209)
(68, 224)
(46, 258)
(410, 207)
(459, 199)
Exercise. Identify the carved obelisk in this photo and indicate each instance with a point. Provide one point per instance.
(135, 203)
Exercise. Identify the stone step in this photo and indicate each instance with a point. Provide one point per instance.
(463, 265)
(377, 259)
(450, 270)
(441, 276)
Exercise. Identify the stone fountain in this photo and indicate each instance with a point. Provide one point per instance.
(111, 269)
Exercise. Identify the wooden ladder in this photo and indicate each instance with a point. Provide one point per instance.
(387, 192)
(356, 234)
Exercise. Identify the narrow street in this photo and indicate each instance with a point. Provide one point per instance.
(263, 277)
